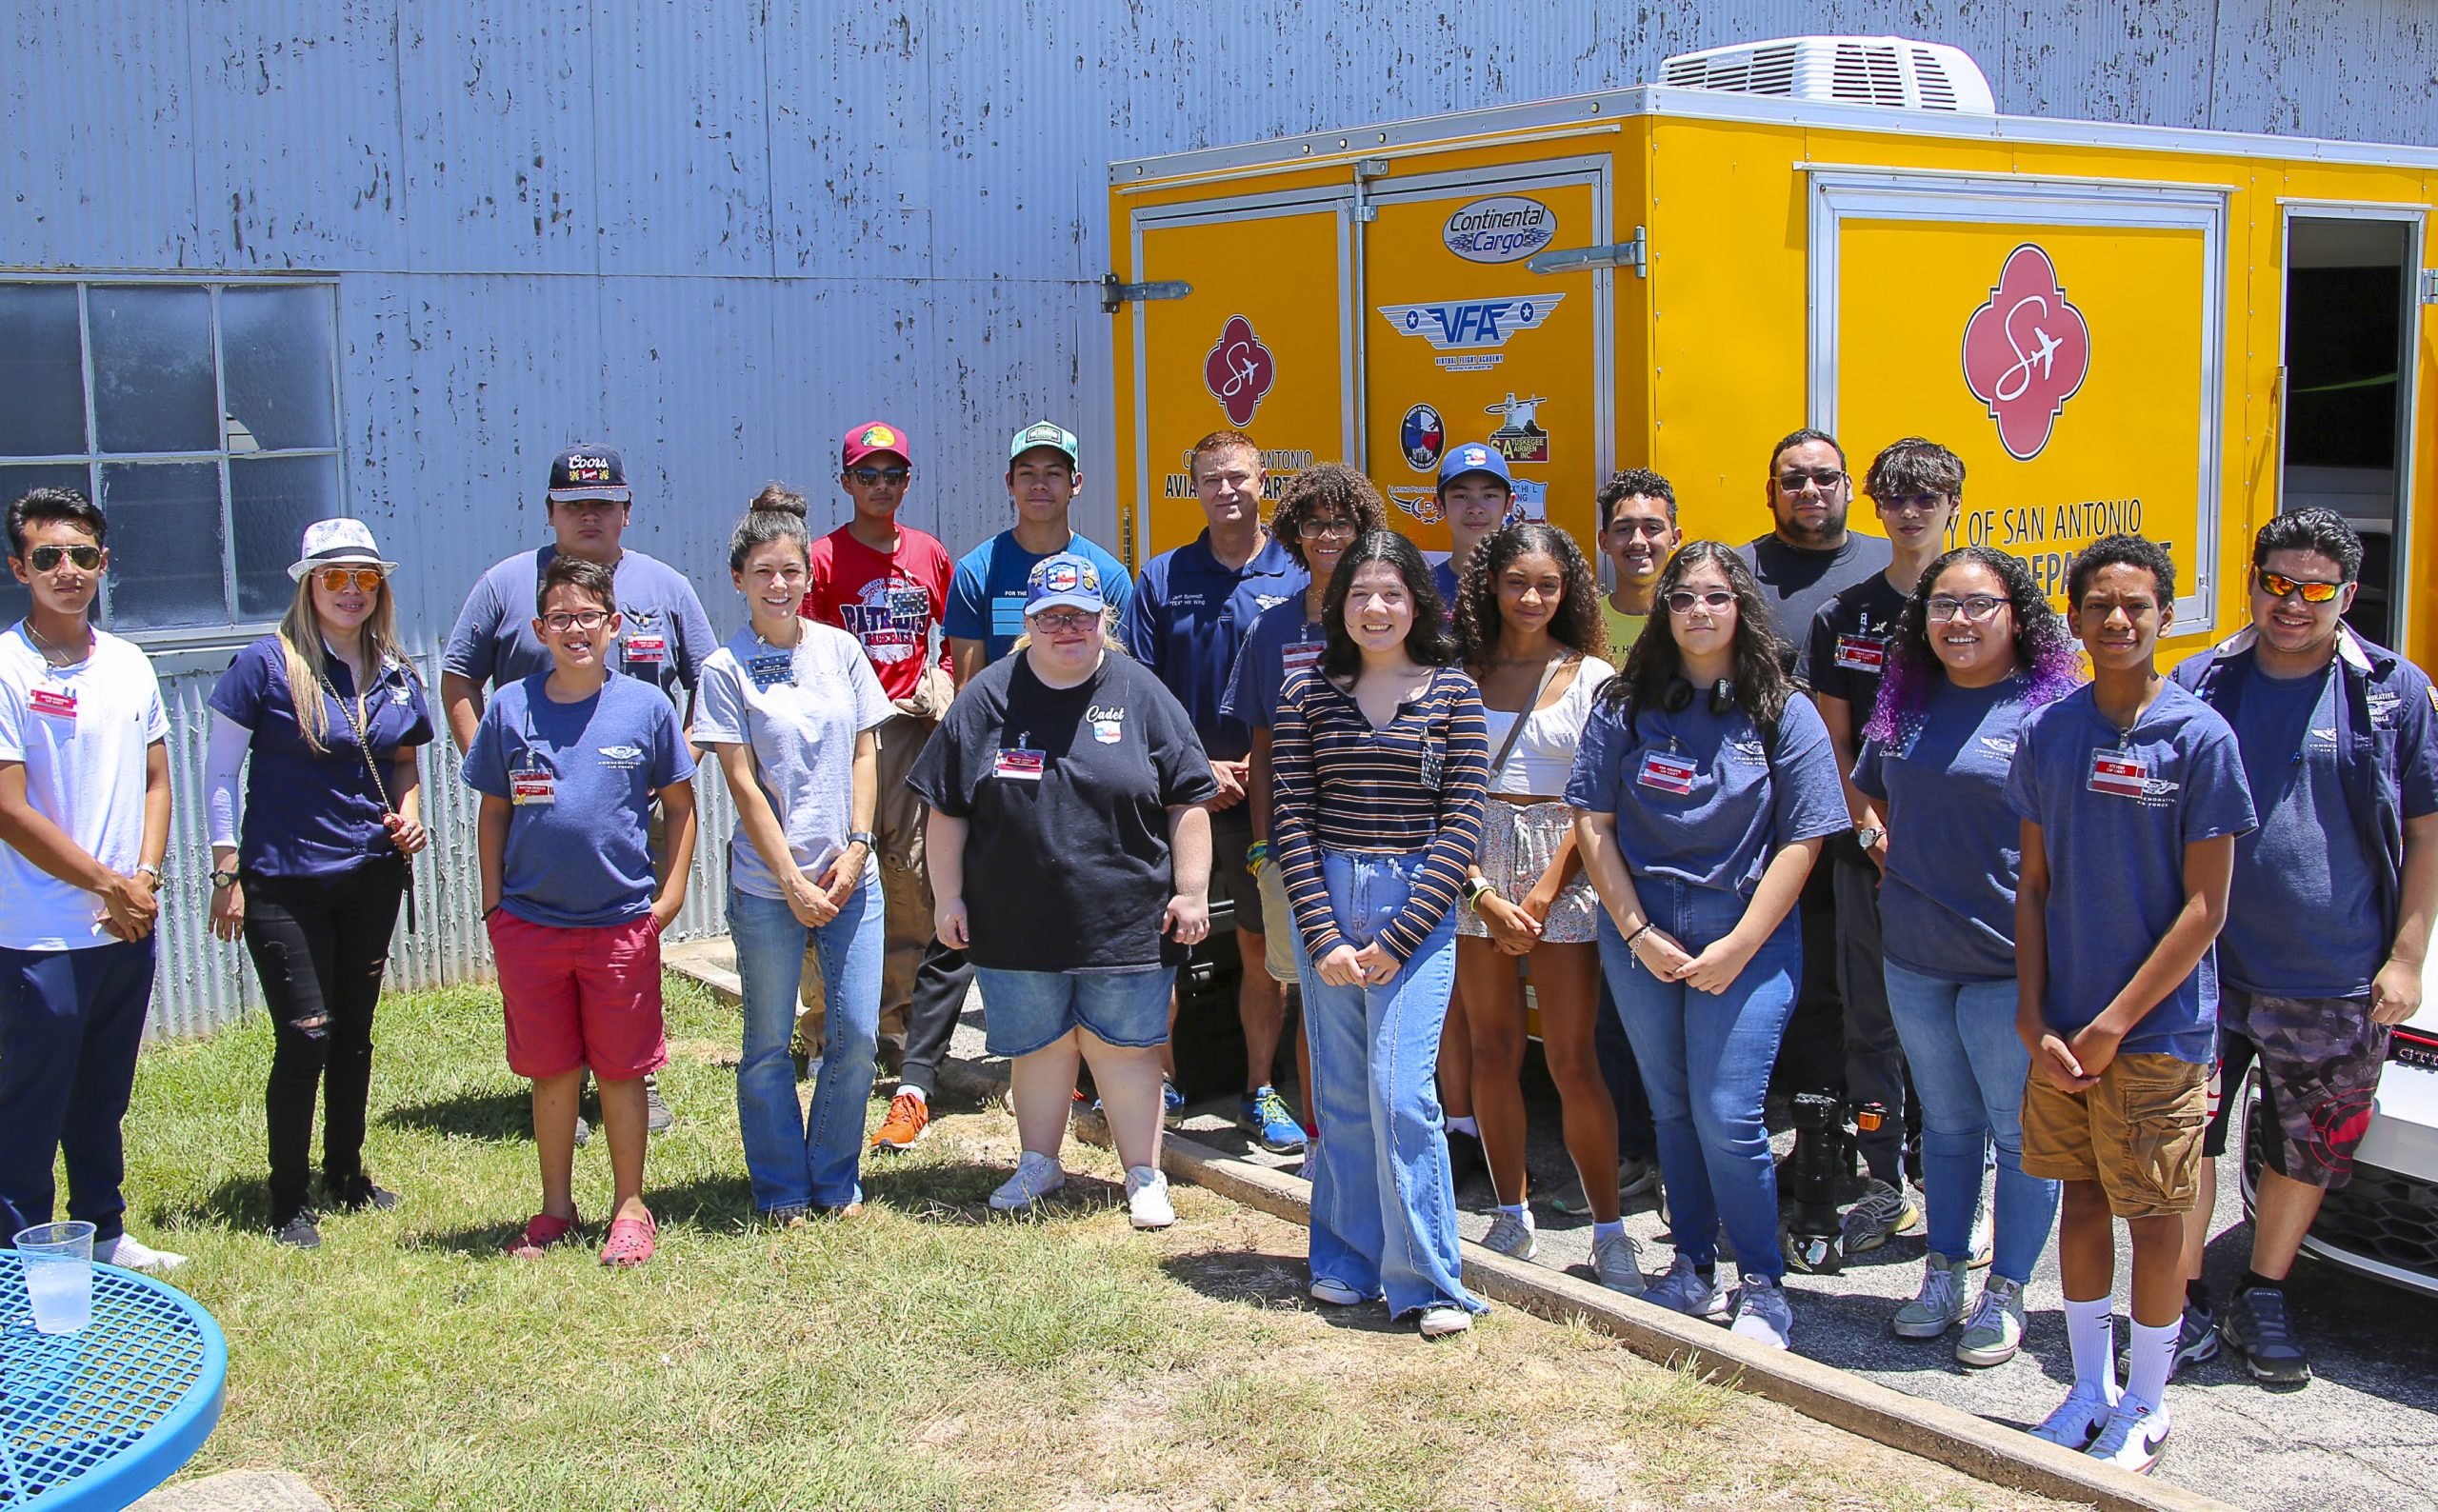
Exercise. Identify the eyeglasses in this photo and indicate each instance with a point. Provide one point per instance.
(1653, 529)
(1684, 600)
(2276, 585)
(1824, 479)
(1058, 621)
(1315, 529)
(1972, 606)
(46, 558)
(340, 579)
(561, 622)
(1913, 504)
(873, 477)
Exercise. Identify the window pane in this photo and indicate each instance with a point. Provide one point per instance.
(275, 353)
(271, 502)
(165, 545)
(15, 483)
(41, 371)
(152, 388)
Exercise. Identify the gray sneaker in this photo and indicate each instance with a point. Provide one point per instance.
(1994, 1331)
(1684, 1290)
(1762, 1313)
(1941, 1301)
(1635, 1178)
(1618, 1261)
(1882, 1212)
(657, 1118)
(1511, 1235)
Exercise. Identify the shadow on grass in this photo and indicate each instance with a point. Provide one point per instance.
(239, 1203)
(1271, 1280)
(500, 1114)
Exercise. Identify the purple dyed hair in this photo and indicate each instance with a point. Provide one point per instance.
(2045, 653)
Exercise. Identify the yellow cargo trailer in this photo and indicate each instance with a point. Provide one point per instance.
(2117, 326)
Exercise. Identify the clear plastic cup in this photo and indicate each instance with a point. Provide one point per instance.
(58, 1261)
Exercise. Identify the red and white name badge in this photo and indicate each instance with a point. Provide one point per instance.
(1861, 653)
(532, 787)
(1018, 765)
(57, 703)
(1667, 771)
(2123, 773)
(647, 650)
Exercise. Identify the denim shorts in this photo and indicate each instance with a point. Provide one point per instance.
(1025, 1011)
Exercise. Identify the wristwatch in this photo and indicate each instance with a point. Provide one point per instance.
(861, 837)
(148, 869)
(1475, 890)
(222, 879)
(1870, 835)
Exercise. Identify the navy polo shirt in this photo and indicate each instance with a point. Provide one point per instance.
(316, 813)
(1190, 617)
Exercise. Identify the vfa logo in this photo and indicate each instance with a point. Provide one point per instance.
(1239, 371)
(2026, 351)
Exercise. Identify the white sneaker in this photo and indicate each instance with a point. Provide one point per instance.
(2134, 1437)
(1336, 1293)
(1985, 1234)
(2077, 1420)
(1438, 1322)
(1147, 1197)
(1617, 1260)
(1762, 1313)
(1036, 1177)
(1510, 1234)
(132, 1254)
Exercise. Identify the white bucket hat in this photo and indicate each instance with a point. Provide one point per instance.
(338, 542)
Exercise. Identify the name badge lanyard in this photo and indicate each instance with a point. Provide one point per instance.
(358, 725)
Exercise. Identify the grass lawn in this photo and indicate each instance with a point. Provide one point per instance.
(920, 1356)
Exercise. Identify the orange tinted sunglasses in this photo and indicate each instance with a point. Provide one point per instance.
(363, 579)
(2278, 586)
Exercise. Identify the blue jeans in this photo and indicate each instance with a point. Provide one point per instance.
(1384, 1200)
(1969, 1071)
(1028, 1012)
(1706, 1063)
(794, 1165)
(70, 1023)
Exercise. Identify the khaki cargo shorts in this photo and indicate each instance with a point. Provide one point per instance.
(2137, 1133)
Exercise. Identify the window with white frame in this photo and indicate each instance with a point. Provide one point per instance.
(201, 417)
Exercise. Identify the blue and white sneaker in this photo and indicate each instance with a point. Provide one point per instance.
(1171, 1104)
(1684, 1290)
(2077, 1420)
(1265, 1118)
(1761, 1312)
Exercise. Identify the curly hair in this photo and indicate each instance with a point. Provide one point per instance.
(1763, 661)
(1577, 621)
(2045, 653)
(1326, 486)
(1426, 641)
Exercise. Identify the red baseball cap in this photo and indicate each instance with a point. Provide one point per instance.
(874, 436)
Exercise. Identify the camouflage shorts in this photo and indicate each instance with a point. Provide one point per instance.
(2319, 1060)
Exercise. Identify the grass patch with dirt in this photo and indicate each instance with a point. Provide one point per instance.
(922, 1355)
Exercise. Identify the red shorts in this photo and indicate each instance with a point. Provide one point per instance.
(580, 997)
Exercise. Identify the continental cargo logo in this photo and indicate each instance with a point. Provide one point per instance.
(2026, 351)
(1504, 229)
(1468, 333)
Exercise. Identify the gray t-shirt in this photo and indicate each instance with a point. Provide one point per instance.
(1797, 582)
(800, 713)
(665, 638)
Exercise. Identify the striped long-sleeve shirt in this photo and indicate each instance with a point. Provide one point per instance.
(1414, 784)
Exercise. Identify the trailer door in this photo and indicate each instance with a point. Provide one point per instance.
(1461, 342)
(1262, 342)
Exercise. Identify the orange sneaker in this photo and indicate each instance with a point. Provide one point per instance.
(909, 1119)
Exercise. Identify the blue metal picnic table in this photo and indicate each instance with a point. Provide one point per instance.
(93, 1419)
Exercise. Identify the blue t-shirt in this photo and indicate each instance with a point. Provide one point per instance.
(316, 814)
(1189, 617)
(2115, 812)
(663, 640)
(1946, 907)
(986, 596)
(579, 859)
(1706, 798)
(1280, 642)
(2302, 920)
(1443, 577)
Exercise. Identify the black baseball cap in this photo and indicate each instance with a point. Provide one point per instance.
(589, 472)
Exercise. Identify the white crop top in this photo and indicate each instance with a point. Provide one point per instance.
(1544, 755)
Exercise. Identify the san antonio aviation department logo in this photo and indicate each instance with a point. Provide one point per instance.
(2026, 351)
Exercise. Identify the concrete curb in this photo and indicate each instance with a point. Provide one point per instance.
(237, 1491)
(1933, 1430)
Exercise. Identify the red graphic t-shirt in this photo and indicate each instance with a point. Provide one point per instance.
(890, 603)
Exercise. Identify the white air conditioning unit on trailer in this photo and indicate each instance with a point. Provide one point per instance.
(1846, 70)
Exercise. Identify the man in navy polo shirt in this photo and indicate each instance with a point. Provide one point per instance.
(2329, 916)
(665, 642)
(1189, 618)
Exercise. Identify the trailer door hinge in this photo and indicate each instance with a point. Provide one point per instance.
(2430, 286)
(1622, 255)
(1114, 294)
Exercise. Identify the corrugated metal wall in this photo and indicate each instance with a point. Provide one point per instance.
(716, 235)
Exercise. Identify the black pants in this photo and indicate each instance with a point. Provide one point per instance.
(320, 946)
(940, 987)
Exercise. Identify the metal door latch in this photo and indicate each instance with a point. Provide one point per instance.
(1620, 255)
(1114, 293)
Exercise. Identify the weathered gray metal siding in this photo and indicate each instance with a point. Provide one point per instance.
(716, 235)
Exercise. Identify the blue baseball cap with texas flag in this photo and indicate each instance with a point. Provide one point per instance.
(1474, 457)
(1065, 580)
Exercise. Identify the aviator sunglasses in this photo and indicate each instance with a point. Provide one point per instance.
(46, 558)
(340, 579)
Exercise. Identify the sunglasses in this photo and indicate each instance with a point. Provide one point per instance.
(46, 558)
(1683, 600)
(2276, 585)
(873, 477)
(1824, 479)
(1913, 503)
(340, 579)
(1973, 607)
(561, 622)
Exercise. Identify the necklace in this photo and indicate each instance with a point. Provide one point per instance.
(50, 649)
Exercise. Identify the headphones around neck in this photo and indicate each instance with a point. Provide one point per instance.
(1679, 696)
